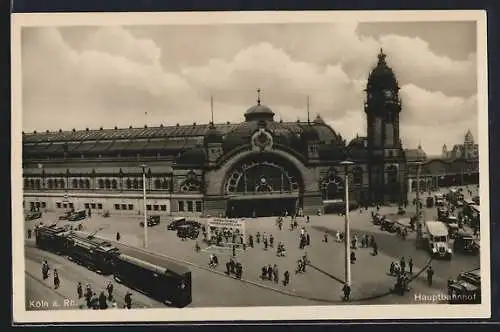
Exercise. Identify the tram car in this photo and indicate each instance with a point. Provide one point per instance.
(93, 254)
(170, 284)
(51, 238)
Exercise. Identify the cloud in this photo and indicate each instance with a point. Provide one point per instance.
(116, 73)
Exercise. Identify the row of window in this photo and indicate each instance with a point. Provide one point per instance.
(135, 183)
(38, 205)
(189, 206)
(124, 207)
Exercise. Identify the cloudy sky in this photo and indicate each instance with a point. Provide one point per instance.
(78, 77)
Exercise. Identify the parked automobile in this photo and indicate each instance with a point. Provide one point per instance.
(172, 226)
(77, 215)
(33, 215)
(188, 231)
(430, 202)
(377, 218)
(465, 243)
(443, 214)
(388, 225)
(152, 221)
(65, 216)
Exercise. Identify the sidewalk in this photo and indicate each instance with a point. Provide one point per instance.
(69, 276)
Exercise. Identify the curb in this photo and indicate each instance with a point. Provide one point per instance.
(277, 290)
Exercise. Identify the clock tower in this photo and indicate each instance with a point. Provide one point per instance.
(386, 156)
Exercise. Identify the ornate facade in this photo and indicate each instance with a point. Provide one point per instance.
(260, 166)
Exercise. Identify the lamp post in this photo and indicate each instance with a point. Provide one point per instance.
(145, 211)
(347, 236)
(417, 197)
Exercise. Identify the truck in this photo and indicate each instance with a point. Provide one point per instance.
(433, 236)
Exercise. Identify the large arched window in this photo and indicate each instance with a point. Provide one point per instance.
(136, 183)
(87, 183)
(114, 184)
(75, 183)
(81, 183)
(129, 184)
(332, 187)
(50, 184)
(357, 175)
(62, 184)
(157, 184)
(101, 184)
(38, 184)
(107, 183)
(165, 184)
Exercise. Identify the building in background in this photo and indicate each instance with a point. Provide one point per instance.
(468, 150)
(257, 167)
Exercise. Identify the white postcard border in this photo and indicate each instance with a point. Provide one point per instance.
(343, 312)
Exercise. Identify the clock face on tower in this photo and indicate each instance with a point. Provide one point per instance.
(388, 93)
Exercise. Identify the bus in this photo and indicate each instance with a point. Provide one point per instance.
(434, 237)
(170, 283)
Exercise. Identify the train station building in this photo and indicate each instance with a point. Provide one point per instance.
(259, 167)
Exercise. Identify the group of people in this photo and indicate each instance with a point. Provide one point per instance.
(271, 273)
(234, 268)
(45, 274)
(101, 302)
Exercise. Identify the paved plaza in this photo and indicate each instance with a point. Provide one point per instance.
(322, 282)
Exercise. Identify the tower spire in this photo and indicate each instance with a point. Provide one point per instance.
(212, 107)
(258, 96)
(308, 113)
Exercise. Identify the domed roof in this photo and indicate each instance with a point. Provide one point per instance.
(213, 135)
(309, 133)
(259, 112)
(382, 75)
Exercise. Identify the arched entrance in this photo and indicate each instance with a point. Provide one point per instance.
(263, 184)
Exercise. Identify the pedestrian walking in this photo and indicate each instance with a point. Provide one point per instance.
(307, 219)
(286, 278)
(275, 274)
(56, 279)
(79, 290)
(410, 265)
(402, 262)
(109, 288)
(271, 241)
(308, 239)
(347, 291)
(234, 250)
(103, 304)
(118, 236)
(375, 248)
(325, 237)
(128, 300)
(430, 274)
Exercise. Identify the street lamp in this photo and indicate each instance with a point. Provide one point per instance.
(347, 236)
(145, 212)
(417, 197)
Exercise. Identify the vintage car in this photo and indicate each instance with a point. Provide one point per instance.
(377, 218)
(65, 215)
(388, 225)
(33, 215)
(443, 214)
(152, 221)
(465, 243)
(429, 202)
(181, 221)
(188, 231)
(401, 210)
(466, 289)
